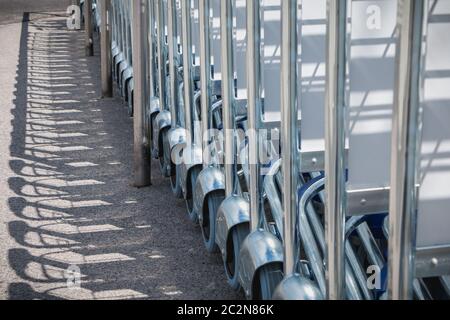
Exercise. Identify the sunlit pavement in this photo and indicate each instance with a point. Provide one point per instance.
(66, 204)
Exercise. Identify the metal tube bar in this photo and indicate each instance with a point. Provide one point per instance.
(405, 133)
(161, 54)
(173, 59)
(105, 44)
(205, 70)
(141, 153)
(151, 48)
(89, 39)
(335, 204)
(126, 37)
(254, 108)
(129, 50)
(289, 136)
(145, 68)
(186, 26)
(228, 97)
(113, 21)
(122, 27)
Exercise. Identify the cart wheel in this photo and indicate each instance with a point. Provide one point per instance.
(153, 137)
(269, 277)
(164, 161)
(238, 235)
(190, 193)
(175, 181)
(208, 226)
(131, 104)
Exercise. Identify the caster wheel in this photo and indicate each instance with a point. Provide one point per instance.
(130, 108)
(270, 277)
(175, 181)
(192, 180)
(238, 235)
(164, 160)
(208, 226)
(153, 137)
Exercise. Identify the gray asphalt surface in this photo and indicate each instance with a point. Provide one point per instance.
(65, 173)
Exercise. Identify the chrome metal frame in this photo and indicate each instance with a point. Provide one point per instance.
(121, 49)
(347, 212)
(88, 25)
(261, 247)
(125, 66)
(118, 55)
(234, 210)
(431, 260)
(404, 168)
(153, 107)
(163, 120)
(192, 153)
(104, 24)
(177, 132)
(212, 178)
(294, 286)
(335, 166)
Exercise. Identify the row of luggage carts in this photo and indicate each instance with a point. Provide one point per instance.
(310, 139)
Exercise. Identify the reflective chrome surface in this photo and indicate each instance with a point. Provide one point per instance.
(335, 189)
(260, 248)
(289, 131)
(403, 197)
(211, 179)
(296, 287)
(233, 211)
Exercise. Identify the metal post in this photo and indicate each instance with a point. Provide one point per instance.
(205, 69)
(105, 44)
(255, 108)
(89, 39)
(142, 171)
(405, 133)
(161, 54)
(289, 136)
(150, 17)
(128, 32)
(226, 25)
(187, 70)
(335, 204)
(146, 87)
(173, 59)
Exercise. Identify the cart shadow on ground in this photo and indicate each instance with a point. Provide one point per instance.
(73, 203)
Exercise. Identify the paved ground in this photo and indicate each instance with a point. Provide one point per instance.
(65, 168)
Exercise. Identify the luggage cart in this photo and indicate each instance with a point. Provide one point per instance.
(174, 139)
(419, 225)
(261, 256)
(357, 185)
(210, 187)
(233, 214)
(153, 102)
(162, 122)
(191, 163)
